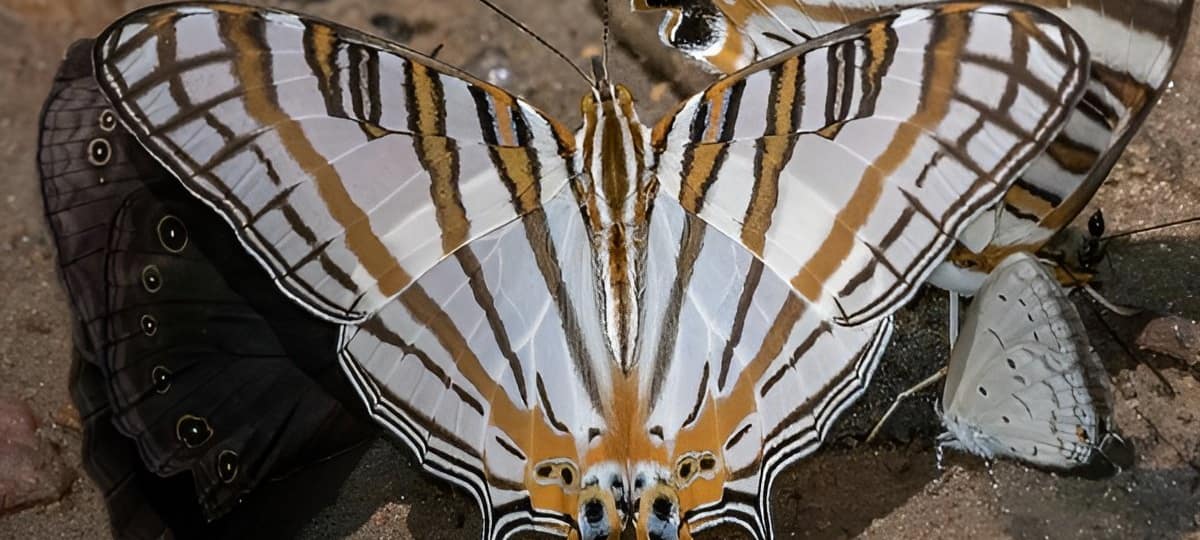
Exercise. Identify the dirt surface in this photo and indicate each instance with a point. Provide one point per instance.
(890, 489)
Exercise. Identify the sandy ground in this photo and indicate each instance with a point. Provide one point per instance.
(890, 489)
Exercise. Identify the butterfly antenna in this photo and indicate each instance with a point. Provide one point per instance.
(513, 20)
(1112, 334)
(1153, 228)
(606, 17)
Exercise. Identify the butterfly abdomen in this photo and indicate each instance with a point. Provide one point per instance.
(613, 141)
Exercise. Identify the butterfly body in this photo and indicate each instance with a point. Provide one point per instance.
(624, 324)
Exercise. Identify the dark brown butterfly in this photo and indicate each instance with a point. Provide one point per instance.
(198, 382)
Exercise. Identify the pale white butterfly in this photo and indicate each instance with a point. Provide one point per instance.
(1023, 380)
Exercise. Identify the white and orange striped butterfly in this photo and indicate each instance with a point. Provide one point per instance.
(1133, 45)
(621, 323)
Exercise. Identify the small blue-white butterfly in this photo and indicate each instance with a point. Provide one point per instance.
(1024, 382)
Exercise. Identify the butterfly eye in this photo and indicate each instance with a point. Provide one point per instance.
(1096, 224)
(227, 466)
(172, 234)
(193, 431)
(161, 378)
(99, 152)
(108, 120)
(151, 279)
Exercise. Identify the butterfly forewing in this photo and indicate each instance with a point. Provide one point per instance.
(377, 161)
(851, 168)
(1133, 46)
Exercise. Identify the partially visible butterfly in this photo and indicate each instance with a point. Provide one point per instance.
(620, 323)
(199, 384)
(1023, 380)
(1133, 44)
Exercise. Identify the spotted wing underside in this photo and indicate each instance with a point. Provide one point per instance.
(174, 322)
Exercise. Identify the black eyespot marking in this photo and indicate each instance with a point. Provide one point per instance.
(544, 471)
(1035, 450)
(1029, 316)
(685, 470)
(1020, 380)
(108, 120)
(1011, 364)
(151, 279)
(1006, 420)
(1002, 297)
(983, 391)
(193, 431)
(662, 508)
(149, 325)
(707, 463)
(568, 477)
(161, 377)
(172, 234)
(593, 511)
(227, 466)
(1021, 301)
(99, 152)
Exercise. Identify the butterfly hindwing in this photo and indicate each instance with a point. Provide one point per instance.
(1023, 380)
(493, 366)
(869, 150)
(134, 247)
(770, 377)
(226, 95)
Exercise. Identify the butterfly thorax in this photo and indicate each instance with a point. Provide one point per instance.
(616, 191)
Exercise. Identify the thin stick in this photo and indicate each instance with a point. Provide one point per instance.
(606, 17)
(903, 396)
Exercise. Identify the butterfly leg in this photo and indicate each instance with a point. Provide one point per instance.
(905, 395)
(953, 325)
